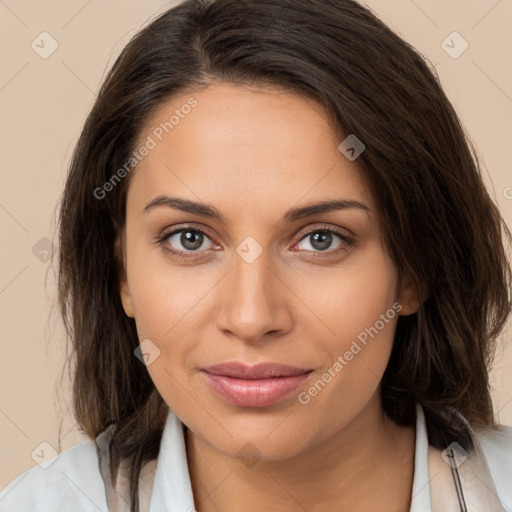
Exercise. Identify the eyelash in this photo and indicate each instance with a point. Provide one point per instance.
(347, 241)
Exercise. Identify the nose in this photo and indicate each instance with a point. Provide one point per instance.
(255, 302)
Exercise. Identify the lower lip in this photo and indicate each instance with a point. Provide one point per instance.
(254, 393)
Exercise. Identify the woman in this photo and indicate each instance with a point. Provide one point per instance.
(282, 276)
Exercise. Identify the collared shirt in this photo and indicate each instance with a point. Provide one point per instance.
(72, 480)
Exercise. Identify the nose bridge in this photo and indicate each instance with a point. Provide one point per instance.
(251, 278)
(254, 304)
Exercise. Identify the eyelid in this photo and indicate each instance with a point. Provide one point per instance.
(330, 228)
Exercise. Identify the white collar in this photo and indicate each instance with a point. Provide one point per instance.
(420, 501)
(172, 488)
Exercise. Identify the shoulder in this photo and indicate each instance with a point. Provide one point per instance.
(497, 447)
(70, 481)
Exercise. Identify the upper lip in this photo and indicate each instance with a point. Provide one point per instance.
(240, 370)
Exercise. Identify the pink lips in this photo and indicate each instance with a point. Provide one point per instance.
(261, 385)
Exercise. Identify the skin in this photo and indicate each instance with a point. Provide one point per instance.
(253, 154)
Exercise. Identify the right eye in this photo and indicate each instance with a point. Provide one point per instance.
(190, 239)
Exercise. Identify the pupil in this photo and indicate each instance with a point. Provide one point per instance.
(321, 241)
(187, 240)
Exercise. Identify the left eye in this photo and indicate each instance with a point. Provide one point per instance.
(321, 240)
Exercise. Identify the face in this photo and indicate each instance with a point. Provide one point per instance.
(262, 280)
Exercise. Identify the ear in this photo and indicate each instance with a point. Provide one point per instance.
(124, 291)
(409, 297)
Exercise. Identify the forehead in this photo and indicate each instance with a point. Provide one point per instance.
(261, 145)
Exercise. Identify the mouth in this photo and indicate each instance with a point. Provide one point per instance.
(259, 385)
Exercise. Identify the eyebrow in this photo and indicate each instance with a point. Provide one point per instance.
(290, 216)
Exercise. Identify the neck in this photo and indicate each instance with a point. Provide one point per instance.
(368, 465)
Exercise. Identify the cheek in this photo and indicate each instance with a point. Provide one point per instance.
(351, 296)
(170, 306)
(357, 315)
(166, 296)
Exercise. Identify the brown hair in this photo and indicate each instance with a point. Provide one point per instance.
(440, 226)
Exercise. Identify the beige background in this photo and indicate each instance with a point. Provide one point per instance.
(43, 105)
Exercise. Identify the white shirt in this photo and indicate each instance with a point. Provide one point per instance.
(73, 482)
